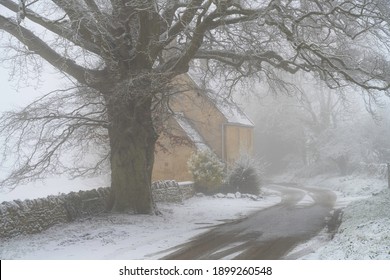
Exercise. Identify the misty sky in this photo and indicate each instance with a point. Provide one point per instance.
(13, 97)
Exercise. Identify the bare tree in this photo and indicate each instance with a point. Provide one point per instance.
(127, 53)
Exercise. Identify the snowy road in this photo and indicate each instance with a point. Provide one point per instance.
(363, 234)
(266, 234)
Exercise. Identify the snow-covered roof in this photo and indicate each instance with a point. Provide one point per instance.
(229, 109)
(191, 132)
(233, 113)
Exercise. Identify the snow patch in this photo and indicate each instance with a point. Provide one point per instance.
(307, 200)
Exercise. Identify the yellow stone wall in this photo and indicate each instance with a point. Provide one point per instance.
(228, 141)
(205, 117)
(170, 162)
(238, 141)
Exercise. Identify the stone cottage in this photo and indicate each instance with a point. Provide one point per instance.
(201, 121)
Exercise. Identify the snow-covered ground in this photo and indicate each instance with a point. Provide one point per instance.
(113, 236)
(363, 234)
(51, 186)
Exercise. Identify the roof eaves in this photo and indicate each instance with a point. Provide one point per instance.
(191, 132)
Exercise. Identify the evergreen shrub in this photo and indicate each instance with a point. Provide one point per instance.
(245, 176)
(207, 171)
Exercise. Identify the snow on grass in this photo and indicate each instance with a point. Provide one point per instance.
(51, 186)
(364, 231)
(122, 236)
(363, 234)
(351, 187)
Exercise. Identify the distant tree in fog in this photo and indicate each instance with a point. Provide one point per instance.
(124, 54)
(322, 129)
(293, 124)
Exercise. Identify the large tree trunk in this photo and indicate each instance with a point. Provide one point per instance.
(132, 141)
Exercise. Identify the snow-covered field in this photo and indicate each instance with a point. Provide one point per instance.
(364, 233)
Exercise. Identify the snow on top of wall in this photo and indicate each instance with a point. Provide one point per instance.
(195, 137)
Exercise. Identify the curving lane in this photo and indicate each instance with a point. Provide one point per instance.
(268, 234)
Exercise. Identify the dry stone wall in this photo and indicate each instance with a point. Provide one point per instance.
(33, 216)
(171, 191)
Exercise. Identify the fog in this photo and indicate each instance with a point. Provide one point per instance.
(16, 94)
(301, 127)
(305, 128)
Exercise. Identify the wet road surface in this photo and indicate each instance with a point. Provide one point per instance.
(267, 234)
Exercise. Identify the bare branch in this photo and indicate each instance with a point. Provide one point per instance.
(94, 8)
(54, 26)
(42, 131)
(39, 47)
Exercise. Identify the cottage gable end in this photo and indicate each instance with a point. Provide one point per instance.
(209, 122)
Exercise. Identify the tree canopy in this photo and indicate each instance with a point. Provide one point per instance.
(126, 53)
